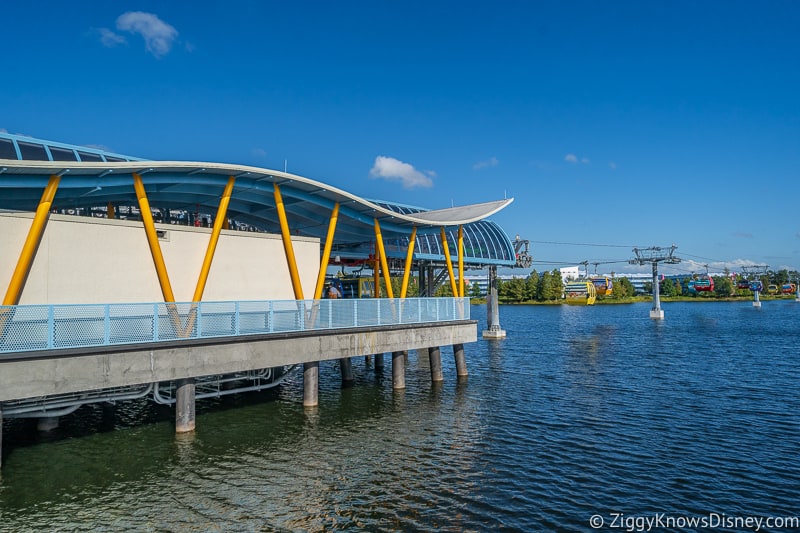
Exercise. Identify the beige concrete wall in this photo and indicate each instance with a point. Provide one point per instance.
(94, 260)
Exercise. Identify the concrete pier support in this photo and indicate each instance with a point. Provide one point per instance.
(493, 309)
(461, 362)
(346, 364)
(367, 359)
(47, 423)
(311, 384)
(399, 370)
(435, 355)
(756, 301)
(184, 406)
(656, 313)
(378, 362)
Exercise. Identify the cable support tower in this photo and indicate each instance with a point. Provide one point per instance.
(655, 255)
(753, 272)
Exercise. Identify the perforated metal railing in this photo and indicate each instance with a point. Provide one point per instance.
(52, 327)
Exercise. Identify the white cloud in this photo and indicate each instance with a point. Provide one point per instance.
(259, 152)
(612, 165)
(491, 162)
(571, 158)
(743, 235)
(585, 160)
(392, 169)
(109, 38)
(3, 130)
(158, 35)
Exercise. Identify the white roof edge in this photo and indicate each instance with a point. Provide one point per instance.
(451, 216)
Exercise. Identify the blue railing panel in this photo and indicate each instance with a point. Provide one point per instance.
(42, 327)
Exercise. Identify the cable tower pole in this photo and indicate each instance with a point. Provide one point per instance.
(753, 272)
(655, 255)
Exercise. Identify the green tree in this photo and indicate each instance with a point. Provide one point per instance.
(623, 288)
(723, 286)
(475, 290)
(532, 286)
(667, 288)
(547, 289)
(558, 283)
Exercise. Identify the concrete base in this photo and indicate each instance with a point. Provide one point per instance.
(657, 314)
(47, 423)
(494, 334)
(378, 362)
(757, 304)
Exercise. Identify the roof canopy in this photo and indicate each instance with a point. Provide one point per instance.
(197, 187)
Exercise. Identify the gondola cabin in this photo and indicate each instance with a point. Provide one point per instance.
(603, 285)
(355, 287)
(788, 288)
(580, 293)
(756, 286)
(704, 284)
(743, 284)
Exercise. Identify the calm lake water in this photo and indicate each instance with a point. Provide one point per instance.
(580, 411)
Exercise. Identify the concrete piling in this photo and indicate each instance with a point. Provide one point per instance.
(461, 362)
(435, 355)
(346, 365)
(184, 406)
(399, 370)
(378, 362)
(311, 384)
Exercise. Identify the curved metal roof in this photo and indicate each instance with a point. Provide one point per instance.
(26, 165)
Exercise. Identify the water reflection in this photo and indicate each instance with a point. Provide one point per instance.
(576, 411)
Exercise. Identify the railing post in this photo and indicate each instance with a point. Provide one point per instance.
(302, 324)
(271, 317)
(236, 319)
(51, 327)
(199, 319)
(155, 322)
(330, 313)
(419, 309)
(379, 312)
(437, 309)
(355, 314)
(107, 324)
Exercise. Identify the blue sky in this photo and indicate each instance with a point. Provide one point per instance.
(610, 123)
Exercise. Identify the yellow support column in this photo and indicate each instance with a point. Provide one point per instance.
(326, 253)
(31, 244)
(287, 245)
(152, 239)
(461, 261)
(384, 264)
(449, 261)
(111, 212)
(219, 221)
(409, 258)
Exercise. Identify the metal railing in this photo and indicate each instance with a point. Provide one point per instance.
(52, 327)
